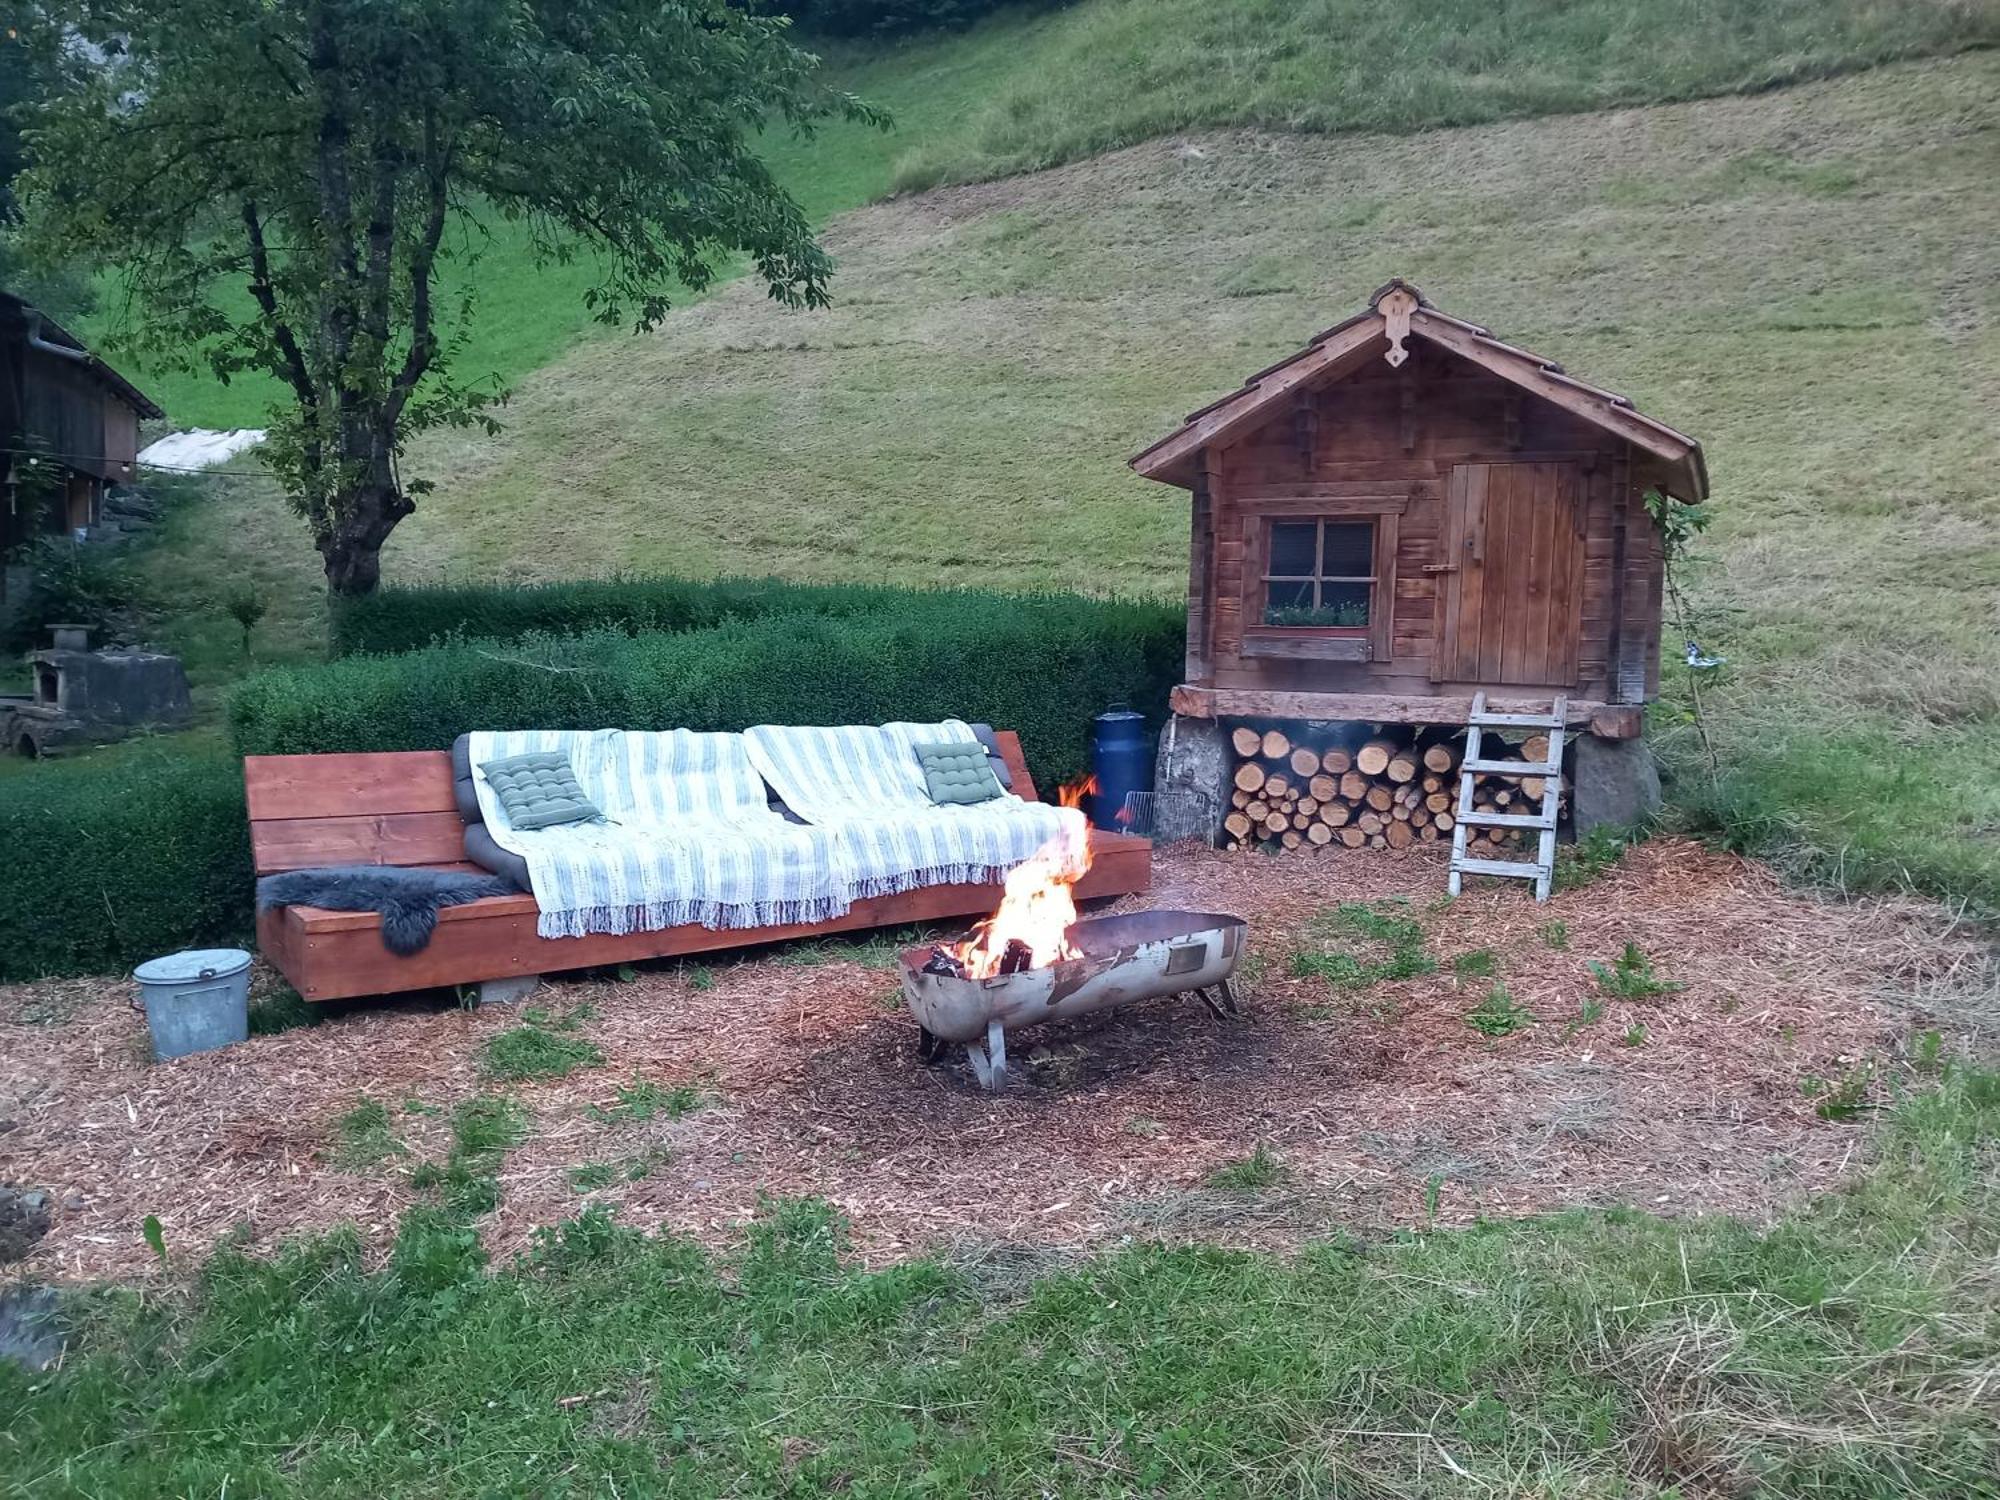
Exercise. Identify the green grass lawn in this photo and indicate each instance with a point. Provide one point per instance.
(1843, 1353)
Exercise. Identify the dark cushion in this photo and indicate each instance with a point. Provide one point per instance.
(539, 790)
(484, 852)
(463, 791)
(993, 756)
(956, 772)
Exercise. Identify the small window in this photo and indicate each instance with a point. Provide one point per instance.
(1319, 574)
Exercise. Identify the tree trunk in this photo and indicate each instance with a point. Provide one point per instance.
(352, 548)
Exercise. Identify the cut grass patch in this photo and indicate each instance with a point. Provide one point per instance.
(1630, 976)
(642, 1100)
(1260, 1169)
(541, 1048)
(364, 1137)
(466, 1184)
(1480, 963)
(1391, 939)
(1498, 1015)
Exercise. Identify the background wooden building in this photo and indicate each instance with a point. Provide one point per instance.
(1408, 511)
(66, 408)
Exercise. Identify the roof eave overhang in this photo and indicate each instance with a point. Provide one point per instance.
(1175, 458)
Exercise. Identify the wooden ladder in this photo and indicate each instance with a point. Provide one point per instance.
(1542, 870)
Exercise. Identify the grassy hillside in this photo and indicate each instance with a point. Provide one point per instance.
(1098, 76)
(1805, 279)
(1035, 88)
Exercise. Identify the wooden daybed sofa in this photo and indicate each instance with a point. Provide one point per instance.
(398, 809)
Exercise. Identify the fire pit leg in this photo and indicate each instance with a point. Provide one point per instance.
(1222, 1004)
(989, 1063)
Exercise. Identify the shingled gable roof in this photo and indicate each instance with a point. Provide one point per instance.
(1339, 350)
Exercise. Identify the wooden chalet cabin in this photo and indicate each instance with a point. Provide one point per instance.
(1408, 511)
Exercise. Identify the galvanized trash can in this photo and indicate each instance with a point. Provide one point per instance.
(195, 1001)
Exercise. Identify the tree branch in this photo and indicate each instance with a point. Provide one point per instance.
(265, 294)
(423, 262)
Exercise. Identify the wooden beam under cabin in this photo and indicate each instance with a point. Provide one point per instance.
(1611, 721)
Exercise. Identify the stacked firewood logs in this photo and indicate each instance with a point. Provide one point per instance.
(1386, 790)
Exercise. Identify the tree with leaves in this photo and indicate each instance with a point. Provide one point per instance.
(329, 157)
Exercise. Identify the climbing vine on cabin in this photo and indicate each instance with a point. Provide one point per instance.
(1680, 523)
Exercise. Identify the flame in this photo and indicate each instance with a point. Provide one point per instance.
(1073, 794)
(1036, 909)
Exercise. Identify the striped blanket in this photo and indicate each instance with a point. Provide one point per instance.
(863, 785)
(689, 837)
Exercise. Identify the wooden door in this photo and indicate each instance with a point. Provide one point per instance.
(1511, 606)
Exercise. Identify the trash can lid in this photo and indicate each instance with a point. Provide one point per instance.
(196, 963)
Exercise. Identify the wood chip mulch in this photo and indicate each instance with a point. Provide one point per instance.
(1373, 1102)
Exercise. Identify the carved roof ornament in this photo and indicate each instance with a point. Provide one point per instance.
(1395, 305)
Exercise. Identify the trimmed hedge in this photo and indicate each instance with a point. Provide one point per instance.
(1041, 666)
(407, 619)
(112, 863)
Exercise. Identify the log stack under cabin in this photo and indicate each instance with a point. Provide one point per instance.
(1374, 787)
(1404, 514)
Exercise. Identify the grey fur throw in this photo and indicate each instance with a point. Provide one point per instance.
(409, 900)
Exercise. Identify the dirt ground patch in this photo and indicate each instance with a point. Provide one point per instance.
(1379, 1106)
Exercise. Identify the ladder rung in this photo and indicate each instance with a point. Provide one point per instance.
(1508, 768)
(1498, 867)
(1515, 721)
(1506, 820)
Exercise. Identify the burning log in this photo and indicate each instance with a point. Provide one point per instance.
(1017, 957)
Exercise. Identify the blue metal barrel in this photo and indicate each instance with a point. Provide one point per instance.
(1121, 758)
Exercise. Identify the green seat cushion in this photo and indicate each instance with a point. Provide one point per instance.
(539, 790)
(956, 772)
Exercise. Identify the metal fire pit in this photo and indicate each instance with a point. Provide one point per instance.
(1124, 958)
